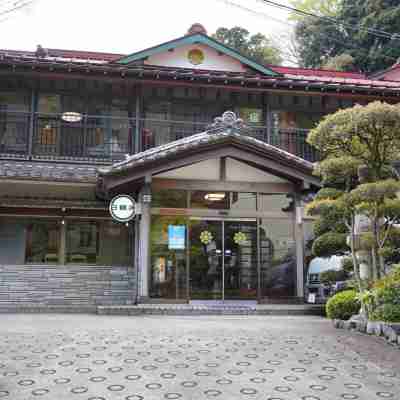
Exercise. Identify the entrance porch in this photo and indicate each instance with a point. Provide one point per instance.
(221, 217)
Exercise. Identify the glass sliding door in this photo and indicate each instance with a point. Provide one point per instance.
(168, 257)
(206, 259)
(240, 260)
(223, 259)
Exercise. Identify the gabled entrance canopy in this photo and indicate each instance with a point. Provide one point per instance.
(227, 137)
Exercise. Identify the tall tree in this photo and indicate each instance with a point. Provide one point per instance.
(368, 137)
(258, 47)
(357, 28)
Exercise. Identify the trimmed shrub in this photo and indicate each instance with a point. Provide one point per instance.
(386, 313)
(329, 244)
(343, 305)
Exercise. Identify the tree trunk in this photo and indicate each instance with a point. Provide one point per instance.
(356, 265)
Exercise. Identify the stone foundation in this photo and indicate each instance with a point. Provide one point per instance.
(62, 287)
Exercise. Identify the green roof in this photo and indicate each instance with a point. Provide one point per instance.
(196, 38)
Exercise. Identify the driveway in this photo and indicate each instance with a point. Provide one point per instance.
(93, 357)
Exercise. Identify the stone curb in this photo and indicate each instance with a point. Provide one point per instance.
(389, 331)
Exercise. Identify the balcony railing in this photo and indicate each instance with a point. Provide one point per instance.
(105, 139)
(158, 132)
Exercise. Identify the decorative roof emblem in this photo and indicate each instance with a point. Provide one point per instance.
(228, 121)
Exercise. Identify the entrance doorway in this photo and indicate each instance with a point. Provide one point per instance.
(223, 259)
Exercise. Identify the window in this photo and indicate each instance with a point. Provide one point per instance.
(101, 243)
(43, 242)
(169, 198)
(276, 203)
(14, 121)
(213, 200)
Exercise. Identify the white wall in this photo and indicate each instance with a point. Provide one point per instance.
(212, 60)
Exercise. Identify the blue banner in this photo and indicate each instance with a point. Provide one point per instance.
(176, 237)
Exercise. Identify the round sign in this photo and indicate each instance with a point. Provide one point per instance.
(122, 208)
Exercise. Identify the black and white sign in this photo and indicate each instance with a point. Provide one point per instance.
(123, 208)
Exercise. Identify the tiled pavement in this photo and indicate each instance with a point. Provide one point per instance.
(191, 357)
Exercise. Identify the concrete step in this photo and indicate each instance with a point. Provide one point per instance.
(187, 309)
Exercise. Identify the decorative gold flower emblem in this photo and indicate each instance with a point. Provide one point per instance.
(196, 56)
(239, 238)
(206, 237)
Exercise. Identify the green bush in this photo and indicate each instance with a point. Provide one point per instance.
(388, 295)
(343, 305)
(386, 313)
(329, 244)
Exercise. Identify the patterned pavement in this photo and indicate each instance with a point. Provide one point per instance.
(224, 357)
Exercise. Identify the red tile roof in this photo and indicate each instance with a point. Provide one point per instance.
(317, 72)
(74, 54)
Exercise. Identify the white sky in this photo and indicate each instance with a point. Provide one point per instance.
(126, 26)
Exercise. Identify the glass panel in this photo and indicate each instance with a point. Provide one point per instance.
(43, 242)
(244, 201)
(168, 257)
(169, 198)
(213, 200)
(14, 122)
(278, 203)
(205, 259)
(82, 245)
(278, 258)
(12, 241)
(14, 101)
(49, 103)
(115, 244)
(240, 273)
(121, 127)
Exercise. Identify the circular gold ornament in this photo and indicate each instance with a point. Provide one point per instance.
(239, 238)
(196, 56)
(206, 237)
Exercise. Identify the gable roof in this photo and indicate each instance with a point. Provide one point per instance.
(227, 137)
(197, 38)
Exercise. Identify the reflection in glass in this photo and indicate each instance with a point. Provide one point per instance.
(278, 258)
(244, 201)
(278, 203)
(168, 259)
(100, 242)
(213, 200)
(43, 242)
(240, 264)
(169, 198)
(205, 259)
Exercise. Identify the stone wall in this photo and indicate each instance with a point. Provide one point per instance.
(74, 286)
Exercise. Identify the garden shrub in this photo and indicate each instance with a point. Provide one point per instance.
(387, 297)
(386, 313)
(343, 305)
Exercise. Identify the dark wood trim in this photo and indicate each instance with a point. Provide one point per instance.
(313, 91)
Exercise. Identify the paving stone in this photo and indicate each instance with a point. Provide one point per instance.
(194, 357)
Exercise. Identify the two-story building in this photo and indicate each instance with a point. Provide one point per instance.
(79, 128)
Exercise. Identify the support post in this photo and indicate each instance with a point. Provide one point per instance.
(299, 238)
(138, 120)
(144, 244)
(32, 119)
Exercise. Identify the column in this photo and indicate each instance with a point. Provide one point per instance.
(298, 234)
(144, 241)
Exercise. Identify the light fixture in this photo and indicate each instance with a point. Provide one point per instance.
(215, 196)
(71, 116)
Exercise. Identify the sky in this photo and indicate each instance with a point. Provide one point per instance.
(126, 26)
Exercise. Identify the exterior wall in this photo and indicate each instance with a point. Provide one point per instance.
(58, 285)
